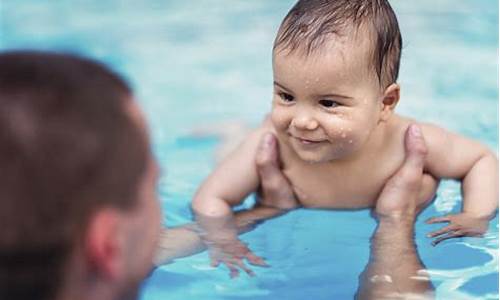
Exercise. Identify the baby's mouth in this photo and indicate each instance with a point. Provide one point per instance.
(305, 141)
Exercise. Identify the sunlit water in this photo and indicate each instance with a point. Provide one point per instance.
(202, 62)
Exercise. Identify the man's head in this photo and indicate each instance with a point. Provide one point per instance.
(335, 66)
(77, 201)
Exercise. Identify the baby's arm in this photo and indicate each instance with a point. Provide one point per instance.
(453, 156)
(233, 180)
(278, 199)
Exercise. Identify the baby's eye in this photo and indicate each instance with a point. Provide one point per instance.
(286, 97)
(328, 103)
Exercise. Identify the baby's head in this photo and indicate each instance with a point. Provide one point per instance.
(335, 66)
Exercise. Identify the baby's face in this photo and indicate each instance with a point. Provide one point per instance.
(326, 104)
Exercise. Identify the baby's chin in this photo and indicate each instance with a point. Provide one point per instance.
(318, 157)
(313, 158)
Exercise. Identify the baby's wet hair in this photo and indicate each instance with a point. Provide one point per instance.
(310, 23)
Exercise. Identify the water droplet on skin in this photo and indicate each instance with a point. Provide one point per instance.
(350, 141)
(343, 135)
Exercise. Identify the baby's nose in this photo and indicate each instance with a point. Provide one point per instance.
(305, 122)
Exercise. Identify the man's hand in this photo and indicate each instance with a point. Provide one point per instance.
(399, 198)
(275, 188)
(393, 254)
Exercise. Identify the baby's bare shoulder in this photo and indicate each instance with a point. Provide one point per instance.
(430, 131)
(241, 138)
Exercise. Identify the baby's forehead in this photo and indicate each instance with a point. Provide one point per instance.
(341, 62)
(351, 50)
(351, 42)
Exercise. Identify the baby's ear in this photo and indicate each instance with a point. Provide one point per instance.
(389, 101)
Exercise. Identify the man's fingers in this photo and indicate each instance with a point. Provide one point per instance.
(442, 219)
(410, 173)
(400, 193)
(276, 189)
(408, 178)
(415, 146)
(267, 154)
(441, 231)
(267, 163)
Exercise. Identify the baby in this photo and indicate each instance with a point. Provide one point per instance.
(335, 66)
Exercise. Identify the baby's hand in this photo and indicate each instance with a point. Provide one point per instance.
(459, 225)
(220, 235)
(232, 253)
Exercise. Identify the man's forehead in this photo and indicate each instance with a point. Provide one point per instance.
(138, 118)
(136, 114)
(156, 167)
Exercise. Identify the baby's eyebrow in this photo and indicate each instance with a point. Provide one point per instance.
(281, 86)
(333, 95)
(329, 95)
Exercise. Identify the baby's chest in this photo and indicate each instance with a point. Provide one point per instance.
(337, 190)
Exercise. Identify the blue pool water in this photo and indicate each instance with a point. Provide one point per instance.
(201, 62)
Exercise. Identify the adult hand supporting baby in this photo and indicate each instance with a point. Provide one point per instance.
(276, 190)
(395, 270)
(399, 198)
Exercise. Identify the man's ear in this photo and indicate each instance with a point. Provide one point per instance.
(104, 246)
(389, 101)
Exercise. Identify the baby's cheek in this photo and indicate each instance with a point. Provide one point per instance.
(279, 118)
(345, 135)
(354, 139)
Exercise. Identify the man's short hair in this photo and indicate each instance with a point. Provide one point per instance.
(309, 23)
(67, 148)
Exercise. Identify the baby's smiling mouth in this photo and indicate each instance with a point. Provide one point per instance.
(305, 141)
